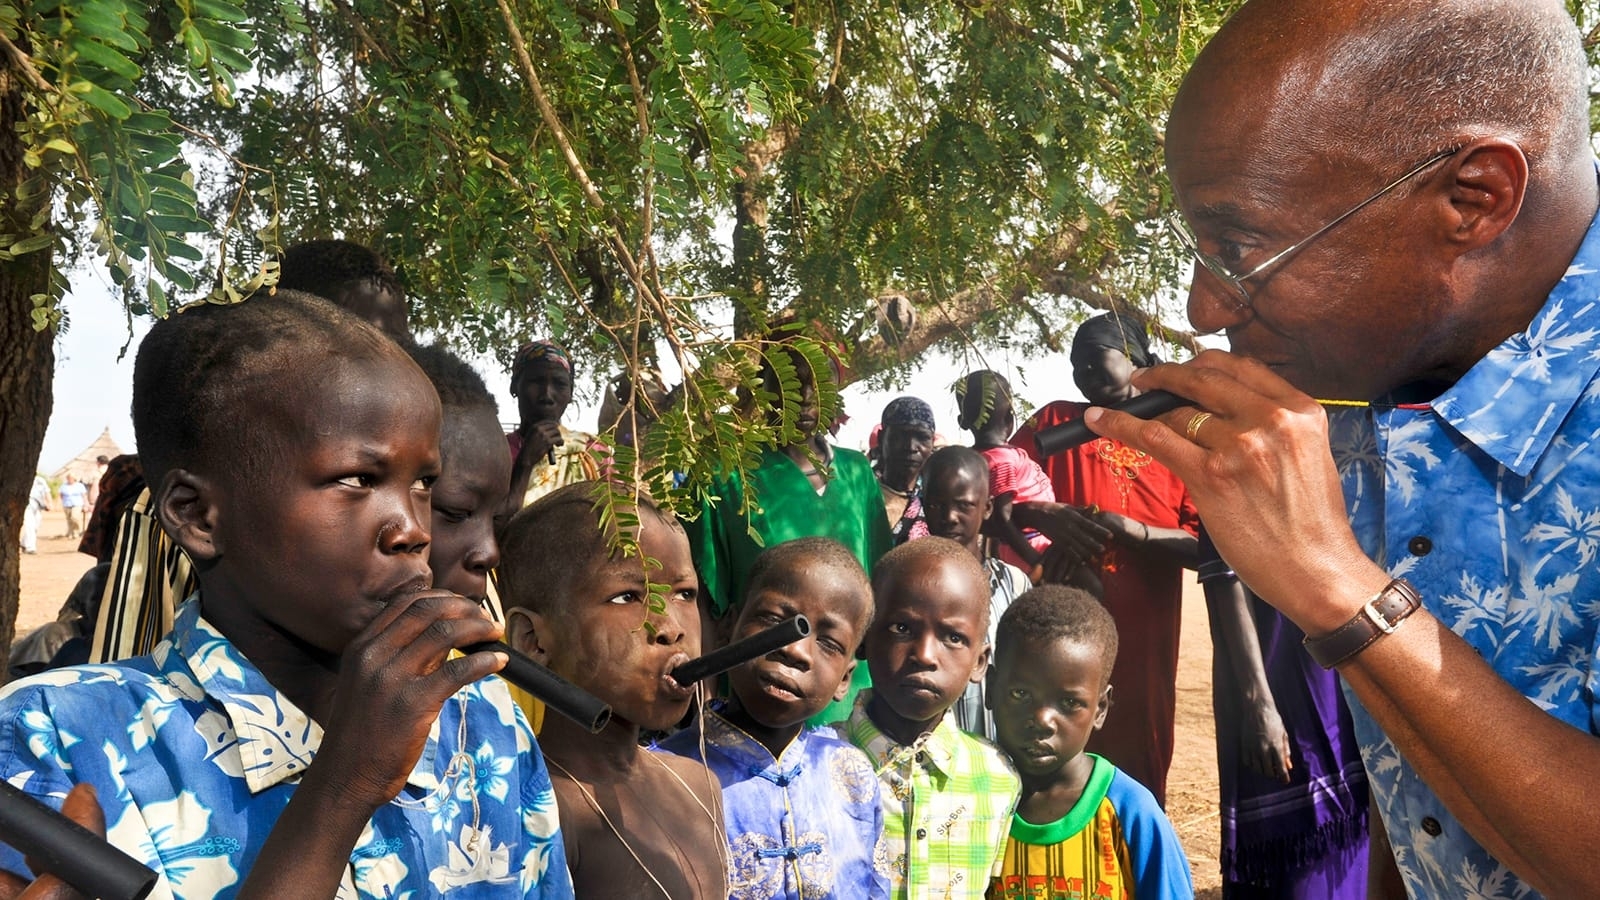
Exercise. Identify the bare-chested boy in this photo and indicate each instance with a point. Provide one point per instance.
(637, 824)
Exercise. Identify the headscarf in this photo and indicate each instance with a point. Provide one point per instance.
(1120, 332)
(538, 351)
(903, 412)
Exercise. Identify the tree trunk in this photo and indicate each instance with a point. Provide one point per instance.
(27, 361)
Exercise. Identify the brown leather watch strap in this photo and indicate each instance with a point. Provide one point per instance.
(1376, 618)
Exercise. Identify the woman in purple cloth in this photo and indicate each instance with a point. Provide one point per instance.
(1294, 794)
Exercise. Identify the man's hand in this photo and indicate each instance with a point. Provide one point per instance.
(1263, 478)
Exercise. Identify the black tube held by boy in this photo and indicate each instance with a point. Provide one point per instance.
(1063, 437)
(63, 848)
(742, 651)
(551, 689)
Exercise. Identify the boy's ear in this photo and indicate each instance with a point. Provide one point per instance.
(1103, 707)
(982, 665)
(528, 632)
(186, 505)
(840, 692)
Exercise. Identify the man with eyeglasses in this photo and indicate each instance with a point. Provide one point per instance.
(1393, 203)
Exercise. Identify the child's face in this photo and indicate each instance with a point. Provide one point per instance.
(376, 304)
(1047, 699)
(928, 642)
(601, 644)
(470, 490)
(955, 505)
(335, 526)
(1105, 376)
(793, 683)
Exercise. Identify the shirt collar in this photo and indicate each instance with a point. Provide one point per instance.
(1511, 404)
(936, 750)
(274, 740)
(749, 754)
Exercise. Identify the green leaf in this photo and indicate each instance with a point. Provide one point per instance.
(158, 299)
(98, 20)
(99, 54)
(103, 100)
(32, 244)
(220, 11)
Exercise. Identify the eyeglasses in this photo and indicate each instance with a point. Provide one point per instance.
(1235, 282)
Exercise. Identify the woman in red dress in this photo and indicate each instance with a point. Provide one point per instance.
(1132, 522)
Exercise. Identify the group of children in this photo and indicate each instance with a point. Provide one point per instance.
(310, 728)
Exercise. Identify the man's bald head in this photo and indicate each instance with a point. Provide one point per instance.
(1395, 81)
(1296, 115)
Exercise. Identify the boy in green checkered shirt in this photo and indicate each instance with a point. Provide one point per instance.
(947, 795)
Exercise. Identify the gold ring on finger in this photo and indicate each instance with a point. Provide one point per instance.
(1199, 419)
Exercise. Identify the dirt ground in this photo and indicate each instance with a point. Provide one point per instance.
(49, 575)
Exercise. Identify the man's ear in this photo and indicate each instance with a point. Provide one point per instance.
(840, 692)
(1489, 182)
(1103, 707)
(186, 505)
(982, 665)
(528, 632)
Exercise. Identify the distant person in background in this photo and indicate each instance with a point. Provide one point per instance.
(809, 488)
(1294, 793)
(545, 454)
(351, 276)
(93, 484)
(903, 446)
(1132, 522)
(988, 410)
(955, 493)
(38, 502)
(74, 496)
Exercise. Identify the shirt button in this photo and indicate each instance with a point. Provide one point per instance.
(922, 834)
(1431, 826)
(1420, 546)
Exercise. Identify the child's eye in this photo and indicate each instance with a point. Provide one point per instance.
(959, 640)
(1018, 693)
(832, 646)
(624, 598)
(425, 483)
(358, 481)
(454, 516)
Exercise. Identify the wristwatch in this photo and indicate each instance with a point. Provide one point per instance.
(1376, 618)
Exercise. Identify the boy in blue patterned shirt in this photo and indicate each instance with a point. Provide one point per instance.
(801, 804)
(303, 730)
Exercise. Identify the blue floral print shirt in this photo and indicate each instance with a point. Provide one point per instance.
(194, 755)
(1489, 502)
(805, 826)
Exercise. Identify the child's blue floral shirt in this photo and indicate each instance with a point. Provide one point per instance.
(194, 755)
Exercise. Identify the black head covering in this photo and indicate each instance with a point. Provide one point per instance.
(1120, 332)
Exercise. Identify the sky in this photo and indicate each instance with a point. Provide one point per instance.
(93, 387)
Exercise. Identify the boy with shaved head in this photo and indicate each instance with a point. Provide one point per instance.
(1395, 203)
(947, 795)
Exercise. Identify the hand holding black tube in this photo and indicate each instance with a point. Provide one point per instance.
(554, 691)
(742, 651)
(53, 843)
(1063, 437)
